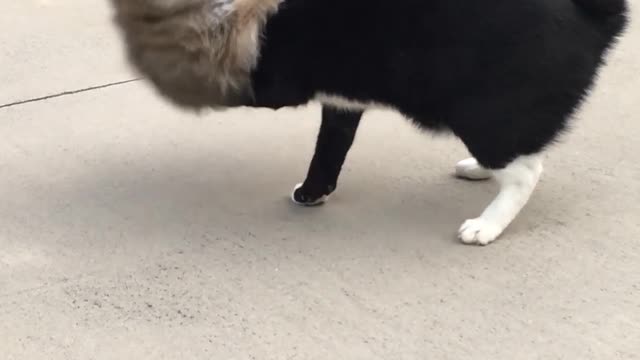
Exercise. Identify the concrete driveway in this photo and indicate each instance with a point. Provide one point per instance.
(130, 230)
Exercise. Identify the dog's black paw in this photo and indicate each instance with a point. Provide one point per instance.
(305, 197)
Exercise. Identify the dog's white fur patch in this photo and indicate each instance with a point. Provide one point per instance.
(517, 182)
(343, 103)
(470, 169)
(319, 201)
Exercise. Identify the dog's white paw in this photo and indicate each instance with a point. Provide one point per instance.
(471, 170)
(298, 200)
(479, 231)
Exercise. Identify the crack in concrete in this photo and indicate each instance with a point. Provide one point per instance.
(67, 93)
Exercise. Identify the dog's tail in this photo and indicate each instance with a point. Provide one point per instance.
(603, 8)
(198, 53)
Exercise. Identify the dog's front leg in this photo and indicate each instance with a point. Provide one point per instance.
(336, 136)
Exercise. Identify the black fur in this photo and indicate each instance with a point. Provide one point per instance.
(337, 132)
(503, 75)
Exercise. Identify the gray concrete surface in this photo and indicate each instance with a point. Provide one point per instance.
(130, 230)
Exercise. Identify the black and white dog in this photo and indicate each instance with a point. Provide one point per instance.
(504, 76)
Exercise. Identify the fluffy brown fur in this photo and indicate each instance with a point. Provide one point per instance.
(198, 53)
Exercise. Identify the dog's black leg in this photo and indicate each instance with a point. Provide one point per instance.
(337, 133)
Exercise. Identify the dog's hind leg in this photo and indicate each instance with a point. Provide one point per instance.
(336, 136)
(517, 181)
(510, 151)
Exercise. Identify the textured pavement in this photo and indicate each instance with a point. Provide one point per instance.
(131, 230)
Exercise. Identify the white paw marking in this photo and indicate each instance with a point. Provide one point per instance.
(479, 231)
(517, 181)
(470, 169)
(319, 201)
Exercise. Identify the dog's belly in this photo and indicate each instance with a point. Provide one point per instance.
(344, 103)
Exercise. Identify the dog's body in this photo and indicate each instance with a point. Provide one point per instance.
(504, 76)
